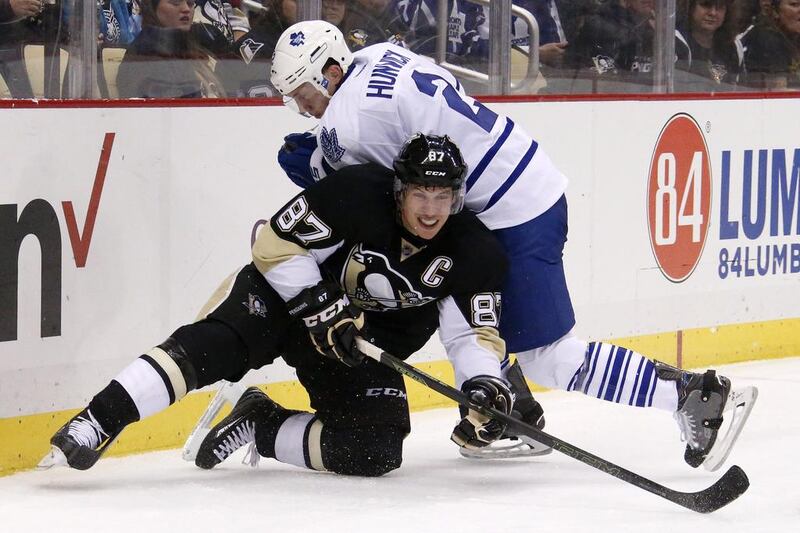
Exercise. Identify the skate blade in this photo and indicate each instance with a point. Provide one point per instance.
(227, 393)
(55, 457)
(737, 409)
(508, 449)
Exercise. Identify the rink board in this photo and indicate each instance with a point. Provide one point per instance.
(130, 217)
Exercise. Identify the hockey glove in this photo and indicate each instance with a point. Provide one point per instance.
(294, 157)
(332, 321)
(476, 430)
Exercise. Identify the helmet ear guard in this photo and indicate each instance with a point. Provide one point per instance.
(431, 161)
(302, 53)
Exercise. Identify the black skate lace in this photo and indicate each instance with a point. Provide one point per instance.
(238, 437)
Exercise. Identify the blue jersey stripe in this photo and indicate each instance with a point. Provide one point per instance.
(523, 164)
(596, 356)
(574, 377)
(644, 387)
(653, 390)
(624, 375)
(489, 155)
(605, 372)
(616, 378)
(636, 381)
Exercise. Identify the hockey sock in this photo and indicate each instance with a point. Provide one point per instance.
(619, 375)
(294, 440)
(113, 408)
(302, 440)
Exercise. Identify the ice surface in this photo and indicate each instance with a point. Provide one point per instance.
(436, 490)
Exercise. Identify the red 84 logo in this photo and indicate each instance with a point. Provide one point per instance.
(679, 197)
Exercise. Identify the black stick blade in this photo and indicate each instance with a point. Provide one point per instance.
(729, 487)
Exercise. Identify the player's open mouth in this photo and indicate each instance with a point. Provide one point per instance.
(428, 222)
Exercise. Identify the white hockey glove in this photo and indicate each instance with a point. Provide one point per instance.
(476, 430)
(332, 321)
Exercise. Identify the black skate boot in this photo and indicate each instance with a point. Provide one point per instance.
(702, 401)
(527, 409)
(79, 443)
(254, 412)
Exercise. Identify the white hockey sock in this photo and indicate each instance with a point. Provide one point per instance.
(153, 381)
(299, 442)
(619, 375)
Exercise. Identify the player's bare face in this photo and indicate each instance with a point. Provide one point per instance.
(424, 210)
(308, 100)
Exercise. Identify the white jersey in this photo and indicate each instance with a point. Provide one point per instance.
(391, 93)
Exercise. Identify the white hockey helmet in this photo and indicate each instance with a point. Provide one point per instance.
(302, 52)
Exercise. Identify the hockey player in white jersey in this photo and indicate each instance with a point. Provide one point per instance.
(369, 102)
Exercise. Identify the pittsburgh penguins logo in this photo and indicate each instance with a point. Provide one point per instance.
(373, 284)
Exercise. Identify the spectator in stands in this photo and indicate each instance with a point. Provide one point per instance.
(268, 25)
(705, 31)
(20, 24)
(11, 10)
(218, 25)
(120, 22)
(747, 13)
(334, 11)
(772, 48)
(616, 42)
(372, 21)
(165, 60)
(552, 39)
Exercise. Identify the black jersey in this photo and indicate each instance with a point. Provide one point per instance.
(345, 229)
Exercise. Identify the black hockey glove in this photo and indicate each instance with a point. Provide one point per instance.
(475, 430)
(332, 321)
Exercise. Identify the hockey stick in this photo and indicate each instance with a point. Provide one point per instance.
(727, 488)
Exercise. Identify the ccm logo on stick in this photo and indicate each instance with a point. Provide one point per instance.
(679, 197)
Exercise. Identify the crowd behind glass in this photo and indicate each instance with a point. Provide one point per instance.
(222, 48)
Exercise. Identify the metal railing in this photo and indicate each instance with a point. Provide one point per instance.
(498, 78)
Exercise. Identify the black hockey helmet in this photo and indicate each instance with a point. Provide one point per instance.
(431, 161)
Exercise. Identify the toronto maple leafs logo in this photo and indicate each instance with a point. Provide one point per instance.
(296, 39)
(330, 145)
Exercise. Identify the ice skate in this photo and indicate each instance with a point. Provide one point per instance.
(253, 410)
(228, 393)
(710, 414)
(78, 444)
(527, 409)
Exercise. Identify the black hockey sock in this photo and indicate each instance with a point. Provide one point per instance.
(113, 408)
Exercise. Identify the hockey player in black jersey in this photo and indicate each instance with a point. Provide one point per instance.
(368, 252)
